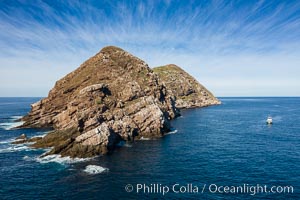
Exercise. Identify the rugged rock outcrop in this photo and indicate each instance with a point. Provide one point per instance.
(24, 139)
(111, 97)
(188, 91)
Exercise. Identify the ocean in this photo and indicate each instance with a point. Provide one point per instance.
(218, 152)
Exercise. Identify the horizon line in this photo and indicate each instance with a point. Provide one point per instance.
(215, 96)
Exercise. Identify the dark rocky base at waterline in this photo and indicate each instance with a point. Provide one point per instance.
(64, 143)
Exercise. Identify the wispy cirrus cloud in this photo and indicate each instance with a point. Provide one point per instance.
(225, 44)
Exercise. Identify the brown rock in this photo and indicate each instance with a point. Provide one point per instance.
(34, 139)
(113, 96)
(188, 91)
(22, 137)
(19, 141)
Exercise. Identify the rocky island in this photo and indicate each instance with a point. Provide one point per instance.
(189, 93)
(112, 97)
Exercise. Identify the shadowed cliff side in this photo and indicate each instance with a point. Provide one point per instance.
(188, 91)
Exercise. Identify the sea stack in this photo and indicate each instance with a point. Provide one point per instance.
(188, 91)
(112, 97)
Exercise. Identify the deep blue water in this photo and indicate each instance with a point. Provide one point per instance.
(226, 145)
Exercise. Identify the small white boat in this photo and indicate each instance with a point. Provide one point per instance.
(269, 120)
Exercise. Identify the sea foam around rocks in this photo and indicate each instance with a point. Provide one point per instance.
(6, 146)
(145, 138)
(59, 159)
(124, 144)
(15, 148)
(171, 132)
(95, 169)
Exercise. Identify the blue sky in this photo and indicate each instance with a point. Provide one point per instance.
(234, 48)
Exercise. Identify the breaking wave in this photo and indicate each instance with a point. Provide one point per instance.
(59, 159)
(11, 123)
(144, 138)
(7, 141)
(16, 117)
(27, 158)
(15, 148)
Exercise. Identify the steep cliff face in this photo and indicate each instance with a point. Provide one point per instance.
(113, 96)
(188, 91)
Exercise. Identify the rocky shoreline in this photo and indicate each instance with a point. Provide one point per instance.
(112, 97)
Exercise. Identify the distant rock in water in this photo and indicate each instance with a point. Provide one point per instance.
(112, 97)
(188, 91)
(22, 137)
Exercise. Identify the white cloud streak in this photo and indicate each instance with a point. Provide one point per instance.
(224, 44)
